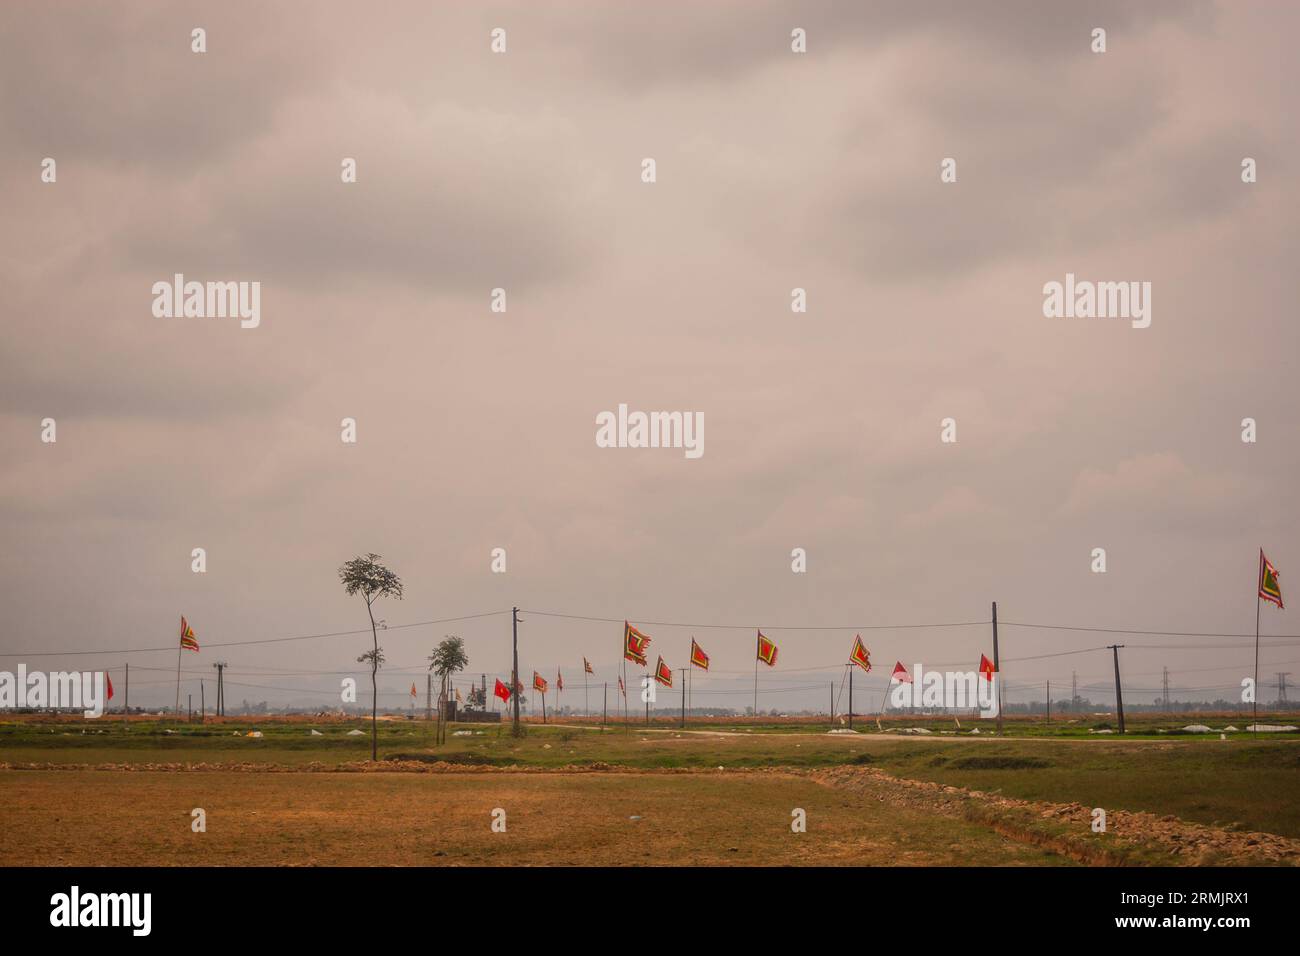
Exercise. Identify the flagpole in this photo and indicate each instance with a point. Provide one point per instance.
(757, 645)
(178, 647)
(1256, 694)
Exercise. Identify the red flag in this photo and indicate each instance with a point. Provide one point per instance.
(860, 655)
(698, 657)
(634, 644)
(1269, 589)
(766, 650)
(501, 690)
(900, 674)
(110, 684)
(986, 668)
(663, 673)
(539, 682)
(559, 680)
(188, 640)
(621, 689)
(413, 691)
(586, 666)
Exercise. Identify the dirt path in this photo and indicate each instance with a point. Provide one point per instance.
(1067, 827)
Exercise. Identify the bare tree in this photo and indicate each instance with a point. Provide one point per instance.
(364, 575)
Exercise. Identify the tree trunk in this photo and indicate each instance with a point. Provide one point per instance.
(374, 687)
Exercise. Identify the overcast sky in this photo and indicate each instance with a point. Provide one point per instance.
(476, 430)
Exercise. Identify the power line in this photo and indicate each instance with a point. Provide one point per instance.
(264, 640)
(749, 627)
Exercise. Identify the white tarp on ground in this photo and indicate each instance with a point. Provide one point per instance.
(1270, 728)
(316, 733)
(356, 733)
(1198, 729)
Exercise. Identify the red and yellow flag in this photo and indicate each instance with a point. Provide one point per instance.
(559, 680)
(900, 674)
(986, 667)
(413, 693)
(698, 657)
(1269, 589)
(860, 655)
(766, 650)
(634, 644)
(539, 682)
(501, 690)
(586, 666)
(188, 640)
(663, 673)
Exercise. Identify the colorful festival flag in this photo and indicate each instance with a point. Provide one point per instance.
(1269, 589)
(539, 682)
(586, 666)
(698, 657)
(900, 674)
(634, 644)
(986, 668)
(501, 690)
(188, 640)
(663, 673)
(766, 650)
(860, 655)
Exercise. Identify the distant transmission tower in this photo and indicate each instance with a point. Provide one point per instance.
(1281, 686)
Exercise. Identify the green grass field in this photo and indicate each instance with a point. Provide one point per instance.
(1238, 783)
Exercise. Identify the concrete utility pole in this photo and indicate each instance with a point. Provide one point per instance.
(1165, 684)
(997, 668)
(683, 673)
(1119, 696)
(514, 690)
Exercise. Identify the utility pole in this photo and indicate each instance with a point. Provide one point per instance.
(1074, 691)
(203, 705)
(1049, 701)
(514, 690)
(850, 667)
(604, 710)
(221, 688)
(832, 710)
(126, 702)
(997, 669)
(189, 708)
(1166, 688)
(683, 673)
(1119, 696)
(428, 696)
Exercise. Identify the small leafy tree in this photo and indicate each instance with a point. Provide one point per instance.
(364, 575)
(448, 658)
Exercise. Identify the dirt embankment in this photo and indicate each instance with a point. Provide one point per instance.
(1067, 827)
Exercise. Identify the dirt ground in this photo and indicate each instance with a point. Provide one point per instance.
(106, 817)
